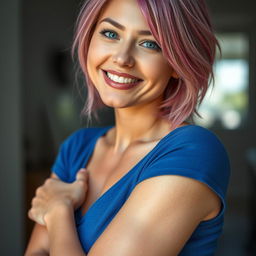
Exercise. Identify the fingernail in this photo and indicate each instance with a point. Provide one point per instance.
(82, 170)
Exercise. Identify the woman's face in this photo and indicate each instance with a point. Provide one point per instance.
(122, 43)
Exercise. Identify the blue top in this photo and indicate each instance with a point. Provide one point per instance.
(190, 151)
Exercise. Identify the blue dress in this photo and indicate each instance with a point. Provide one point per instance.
(190, 151)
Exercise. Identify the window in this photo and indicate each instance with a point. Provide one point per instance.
(226, 103)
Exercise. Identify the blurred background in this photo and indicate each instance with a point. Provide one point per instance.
(40, 105)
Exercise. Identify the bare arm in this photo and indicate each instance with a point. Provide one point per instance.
(39, 241)
(62, 232)
(59, 237)
(158, 218)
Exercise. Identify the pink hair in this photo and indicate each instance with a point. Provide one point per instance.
(183, 30)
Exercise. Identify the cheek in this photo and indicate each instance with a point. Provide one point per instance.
(93, 59)
(96, 56)
(158, 69)
(97, 52)
(93, 55)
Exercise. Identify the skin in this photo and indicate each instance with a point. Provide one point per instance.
(128, 52)
(170, 212)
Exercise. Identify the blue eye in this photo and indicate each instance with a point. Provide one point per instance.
(109, 34)
(152, 45)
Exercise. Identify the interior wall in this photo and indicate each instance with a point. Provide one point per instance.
(11, 157)
(47, 36)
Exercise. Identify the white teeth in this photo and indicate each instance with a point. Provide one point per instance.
(120, 79)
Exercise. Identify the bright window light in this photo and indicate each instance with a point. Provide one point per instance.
(226, 103)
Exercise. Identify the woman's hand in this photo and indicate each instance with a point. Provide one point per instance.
(55, 193)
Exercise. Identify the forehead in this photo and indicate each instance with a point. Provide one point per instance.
(125, 12)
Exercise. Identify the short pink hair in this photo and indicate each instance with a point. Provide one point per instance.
(184, 32)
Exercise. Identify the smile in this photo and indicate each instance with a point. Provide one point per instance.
(120, 82)
(120, 79)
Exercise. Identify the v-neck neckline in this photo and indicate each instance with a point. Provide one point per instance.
(94, 142)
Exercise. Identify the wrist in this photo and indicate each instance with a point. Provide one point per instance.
(59, 212)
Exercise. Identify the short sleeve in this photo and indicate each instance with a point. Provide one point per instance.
(75, 151)
(61, 165)
(195, 153)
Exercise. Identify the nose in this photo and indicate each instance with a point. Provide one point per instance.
(123, 57)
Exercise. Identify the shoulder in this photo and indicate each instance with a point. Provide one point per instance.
(194, 152)
(82, 136)
(194, 134)
(195, 141)
(76, 144)
(74, 150)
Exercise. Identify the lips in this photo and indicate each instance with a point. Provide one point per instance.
(121, 86)
(122, 74)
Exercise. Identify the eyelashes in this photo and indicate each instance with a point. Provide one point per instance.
(108, 33)
(112, 35)
(153, 45)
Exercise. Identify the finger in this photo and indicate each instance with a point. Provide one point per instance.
(33, 216)
(33, 202)
(30, 214)
(81, 175)
(39, 191)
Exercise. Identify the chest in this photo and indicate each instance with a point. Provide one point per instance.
(106, 168)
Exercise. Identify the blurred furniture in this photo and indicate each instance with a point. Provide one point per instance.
(251, 160)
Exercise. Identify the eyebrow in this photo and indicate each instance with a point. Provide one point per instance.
(118, 25)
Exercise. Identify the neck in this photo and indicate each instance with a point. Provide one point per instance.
(139, 126)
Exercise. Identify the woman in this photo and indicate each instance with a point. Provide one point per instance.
(153, 184)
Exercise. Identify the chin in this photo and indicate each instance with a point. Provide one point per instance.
(116, 104)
